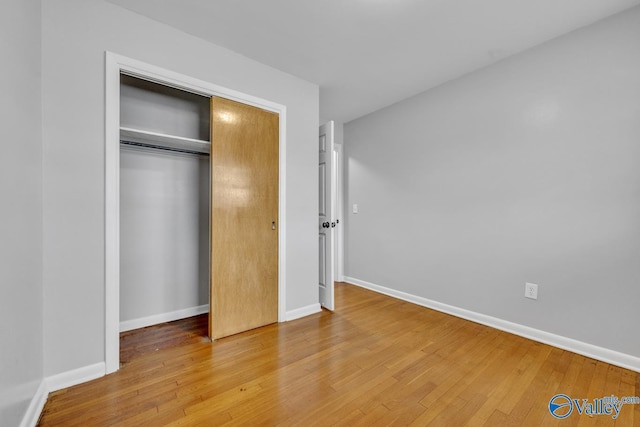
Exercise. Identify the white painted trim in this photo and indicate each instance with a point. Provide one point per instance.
(340, 213)
(75, 377)
(303, 311)
(589, 350)
(143, 322)
(112, 213)
(36, 406)
(282, 221)
(55, 383)
(114, 65)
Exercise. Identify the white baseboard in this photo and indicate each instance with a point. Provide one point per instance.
(303, 311)
(58, 382)
(143, 322)
(36, 406)
(589, 350)
(75, 377)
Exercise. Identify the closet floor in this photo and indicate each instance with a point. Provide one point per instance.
(139, 342)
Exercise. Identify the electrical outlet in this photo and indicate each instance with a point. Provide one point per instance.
(355, 208)
(531, 290)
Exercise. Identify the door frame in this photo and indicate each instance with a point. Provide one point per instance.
(115, 65)
(339, 209)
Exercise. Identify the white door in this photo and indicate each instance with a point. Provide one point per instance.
(326, 223)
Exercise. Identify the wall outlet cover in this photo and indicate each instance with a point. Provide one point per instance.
(531, 290)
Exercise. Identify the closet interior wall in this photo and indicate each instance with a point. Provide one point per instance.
(164, 207)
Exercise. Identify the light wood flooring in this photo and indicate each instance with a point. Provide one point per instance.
(140, 342)
(374, 361)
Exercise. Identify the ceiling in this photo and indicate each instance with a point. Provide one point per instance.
(367, 54)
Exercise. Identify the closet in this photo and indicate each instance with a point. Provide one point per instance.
(164, 203)
(199, 209)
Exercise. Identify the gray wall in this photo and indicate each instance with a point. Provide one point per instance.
(21, 354)
(76, 34)
(164, 232)
(523, 171)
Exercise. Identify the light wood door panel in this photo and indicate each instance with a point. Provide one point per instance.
(244, 217)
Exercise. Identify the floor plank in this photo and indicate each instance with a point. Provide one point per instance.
(376, 360)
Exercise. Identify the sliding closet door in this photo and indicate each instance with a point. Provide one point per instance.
(244, 218)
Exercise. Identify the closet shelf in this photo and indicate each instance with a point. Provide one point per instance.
(163, 140)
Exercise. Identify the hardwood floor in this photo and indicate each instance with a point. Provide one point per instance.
(139, 342)
(374, 361)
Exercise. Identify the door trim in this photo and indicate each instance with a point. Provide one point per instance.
(339, 237)
(114, 65)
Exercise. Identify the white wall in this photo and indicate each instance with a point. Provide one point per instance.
(523, 171)
(76, 34)
(21, 354)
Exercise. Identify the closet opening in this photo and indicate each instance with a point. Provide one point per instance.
(164, 216)
(247, 131)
